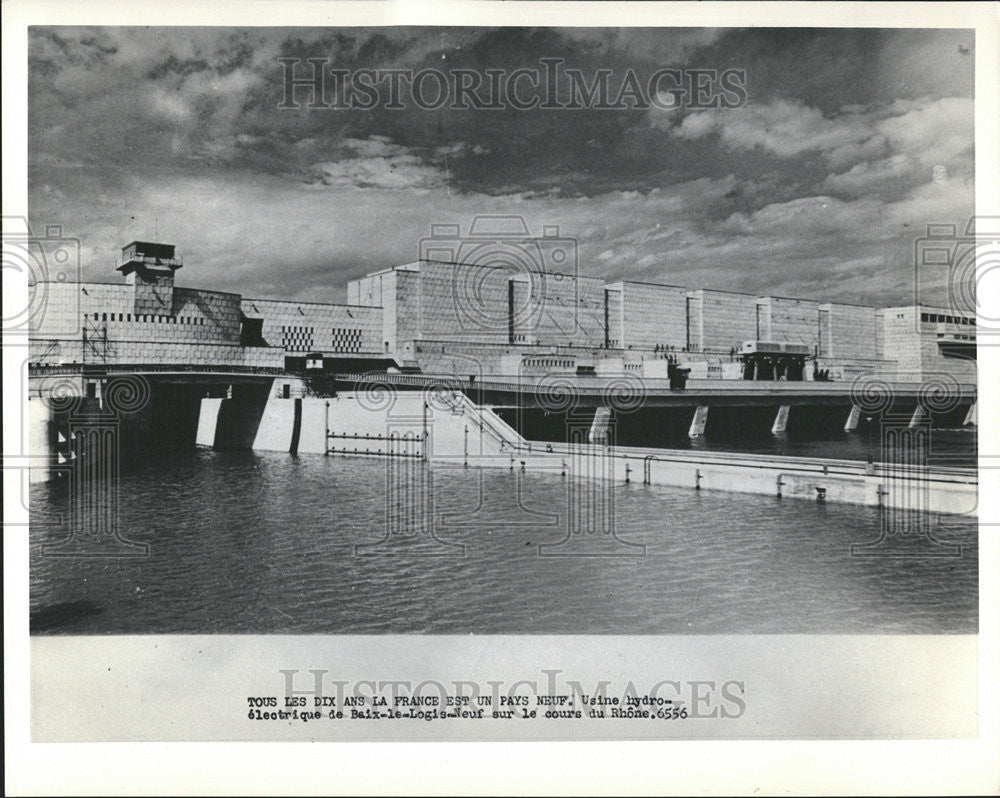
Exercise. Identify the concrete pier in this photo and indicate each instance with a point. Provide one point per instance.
(599, 427)
(698, 422)
(780, 420)
(852, 419)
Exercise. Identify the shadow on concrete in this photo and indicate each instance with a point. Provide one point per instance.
(239, 417)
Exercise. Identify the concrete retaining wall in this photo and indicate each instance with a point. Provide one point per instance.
(363, 423)
(459, 433)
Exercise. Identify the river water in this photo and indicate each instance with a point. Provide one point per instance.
(948, 447)
(254, 542)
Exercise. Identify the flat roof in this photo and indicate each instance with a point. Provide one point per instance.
(487, 266)
(126, 285)
(935, 308)
(724, 291)
(148, 244)
(647, 282)
(319, 304)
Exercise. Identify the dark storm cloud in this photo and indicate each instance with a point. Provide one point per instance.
(850, 140)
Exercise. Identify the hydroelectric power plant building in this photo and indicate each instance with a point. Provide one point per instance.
(460, 363)
(465, 319)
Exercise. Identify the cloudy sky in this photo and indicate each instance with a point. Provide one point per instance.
(849, 143)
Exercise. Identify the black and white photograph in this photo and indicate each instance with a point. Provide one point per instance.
(576, 376)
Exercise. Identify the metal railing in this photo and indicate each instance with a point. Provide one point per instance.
(514, 444)
(593, 385)
(486, 420)
(155, 368)
(385, 445)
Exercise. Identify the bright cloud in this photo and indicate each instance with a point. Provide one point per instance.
(817, 187)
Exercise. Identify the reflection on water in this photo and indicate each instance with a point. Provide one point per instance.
(952, 447)
(244, 542)
(816, 433)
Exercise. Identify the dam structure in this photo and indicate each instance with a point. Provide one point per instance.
(515, 366)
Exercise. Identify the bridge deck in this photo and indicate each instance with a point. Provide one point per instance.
(598, 390)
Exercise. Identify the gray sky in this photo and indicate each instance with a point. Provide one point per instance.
(849, 144)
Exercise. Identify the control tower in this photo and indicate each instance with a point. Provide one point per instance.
(149, 268)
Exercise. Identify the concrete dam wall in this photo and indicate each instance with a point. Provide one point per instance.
(373, 423)
(447, 429)
(444, 427)
(144, 415)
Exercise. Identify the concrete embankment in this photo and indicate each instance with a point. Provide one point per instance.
(447, 428)
(373, 423)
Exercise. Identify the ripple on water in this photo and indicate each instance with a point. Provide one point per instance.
(269, 543)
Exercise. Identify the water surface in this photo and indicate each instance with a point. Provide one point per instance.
(251, 542)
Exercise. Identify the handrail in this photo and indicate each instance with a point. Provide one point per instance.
(589, 385)
(486, 420)
(158, 368)
(765, 462)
